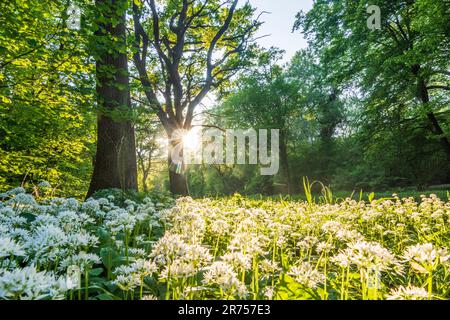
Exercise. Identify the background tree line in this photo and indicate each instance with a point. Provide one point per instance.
(357, 109)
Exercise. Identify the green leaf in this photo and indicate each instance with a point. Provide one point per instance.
(96, 272)
(104, 296)
(110, 257)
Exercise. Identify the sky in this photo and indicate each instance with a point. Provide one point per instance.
(278, 24)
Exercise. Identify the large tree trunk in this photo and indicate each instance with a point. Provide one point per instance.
(177, 167)
(115, 162)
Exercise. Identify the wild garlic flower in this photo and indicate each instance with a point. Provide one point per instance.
(408, 293)
(16, 191)
(324, 247)
(168, 248)
(29, 284)
(269, 292)
(249, 243)
(197, 255)
(45, 243)
(238, 260)
(137, 252)
(69, 204)
(342, 259)
(178, 269)
(306, 275)
(222, 275)
(81, 239)
(92, 207)
(369, 255)
(426, 257)
(349, 235)
(73, 221)
(141, 266)
(268, 268)
(18, 234)
(22, 200)
(127, 282)
(307, 242)
(191, 225)
(9, 248)
(332, 227)
(220, 227)
(82, 259)
(44, 185)
(119, 220)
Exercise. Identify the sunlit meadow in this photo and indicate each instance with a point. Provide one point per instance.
(227, 248)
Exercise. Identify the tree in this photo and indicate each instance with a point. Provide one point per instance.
(321, 102)
(147, 147)
(264, 98)
(406, 62)
(182, 50)
(46, 98)
(115, 162)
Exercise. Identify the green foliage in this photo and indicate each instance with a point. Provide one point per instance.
(400, 73)
(351, 109)
(46, 86)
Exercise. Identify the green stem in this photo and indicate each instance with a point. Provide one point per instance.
(86, 284)
(141, 288)
(126, 246)
(430, 285)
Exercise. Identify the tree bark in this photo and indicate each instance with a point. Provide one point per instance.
(177, 167)
(434, 123)
(115, 161)
(144, 183)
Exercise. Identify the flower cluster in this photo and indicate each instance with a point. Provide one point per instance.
(42, 242)
(227, 248)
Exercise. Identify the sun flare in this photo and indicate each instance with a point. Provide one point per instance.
(191, 139)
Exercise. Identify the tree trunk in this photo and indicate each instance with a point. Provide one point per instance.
(177, 168)
(144, 181)
(438, 131)
(115, 162)
(434, 124)
(285, 161)
(144, 169)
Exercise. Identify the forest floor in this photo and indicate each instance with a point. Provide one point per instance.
(225, 248)
(357, 195)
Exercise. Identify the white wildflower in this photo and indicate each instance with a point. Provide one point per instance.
(306, 275)
(29, 284)
(408, 293)
(9, 247)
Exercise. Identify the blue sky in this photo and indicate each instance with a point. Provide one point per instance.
(278, 24)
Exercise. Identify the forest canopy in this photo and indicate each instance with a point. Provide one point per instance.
(358, 108)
